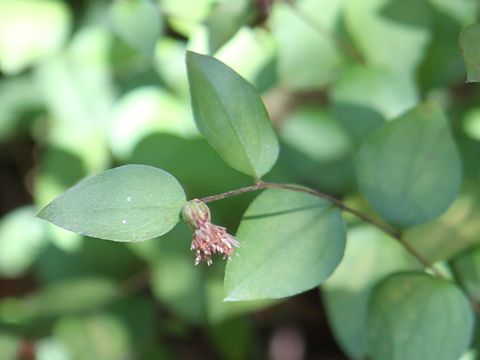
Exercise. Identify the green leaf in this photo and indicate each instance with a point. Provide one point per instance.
(96, 336)
(466, 268)
(68, 297)
(409, 169)
(219, 311)
(363, 97)
(30, 31)
(290, 242)
(461, 222)
(308, 58)
(369, 256)
(79, 102)
(225, 20)
(20, 96)
(138, 23)
(179, 286)
(314, 132)
(392, 34)
(230, 114)
(21, 241)
(470, 46)
(416, 316)
(128, 203)
(184, 16)
(154, 111)
(10, 346)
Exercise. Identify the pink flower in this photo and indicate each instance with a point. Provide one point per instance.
(208, 239)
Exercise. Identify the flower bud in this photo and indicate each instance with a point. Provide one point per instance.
(196, 213)
(208, 239)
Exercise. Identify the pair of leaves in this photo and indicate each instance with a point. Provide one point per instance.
(382, 310)
(135, 202)
(415, 316)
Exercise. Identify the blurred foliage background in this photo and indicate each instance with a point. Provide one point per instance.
(88, 84)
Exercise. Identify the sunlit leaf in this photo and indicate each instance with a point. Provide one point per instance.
(312, 131)
(20, 99)
(470, 46)
(170, 65)
(63, 298)
(308, 57)
(226, 18)
(179, 286)
(464, 12)
(250, 52)
(128, 203)
(10, 346)
(393, 34)
(369, 256)
(79, 102)
(409, 169)
(185, 15)
(30, 31)
(99, 336)
(21, 240)
(143, 111)
(290, 242)
(230, 114)
(471, 123)
(364, 97)
(51, 348)
(137, 22)
(461, 222)
(415, 316)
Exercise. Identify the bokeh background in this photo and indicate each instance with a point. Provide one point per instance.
(86, 85)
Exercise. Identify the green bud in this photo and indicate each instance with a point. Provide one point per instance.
(195, 213)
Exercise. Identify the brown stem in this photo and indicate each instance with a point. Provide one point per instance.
(384, 227)
(257, 186)
(394, 233)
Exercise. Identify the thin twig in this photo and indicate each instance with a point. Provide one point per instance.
(394, 233)
(257, 186)
(385, 228)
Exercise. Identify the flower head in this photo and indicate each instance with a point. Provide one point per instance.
(208, 239)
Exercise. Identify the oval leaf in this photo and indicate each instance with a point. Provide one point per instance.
(369, 256)
(470, 46)
(416, 316)
(230, 114)
(128, 203)
(138, 23)
(290, 242)
(410, 170)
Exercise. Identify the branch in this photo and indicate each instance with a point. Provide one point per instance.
(394, 233)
